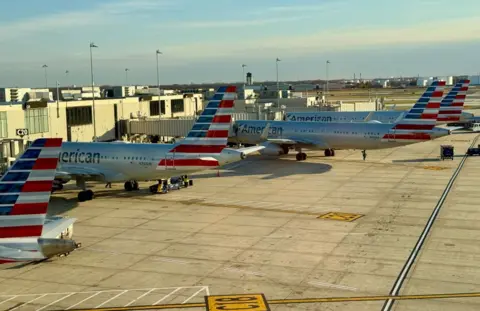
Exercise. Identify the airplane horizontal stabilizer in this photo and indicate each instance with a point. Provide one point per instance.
(54, 226)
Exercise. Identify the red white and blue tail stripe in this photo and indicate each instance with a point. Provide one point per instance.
(208, 136)
(422, 118)
(25, 190)
(451, 106)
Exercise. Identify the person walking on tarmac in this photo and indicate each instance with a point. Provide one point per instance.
(364, 155)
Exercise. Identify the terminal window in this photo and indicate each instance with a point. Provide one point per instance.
(36, 120)
(79, 115)
(154, 107)
(177, 105)
(3, 124)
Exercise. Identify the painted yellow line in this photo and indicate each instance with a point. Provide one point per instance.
(294, 301)
(158, 307)
(372, 298)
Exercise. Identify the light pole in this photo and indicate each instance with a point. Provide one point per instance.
(66, 78)
(278, 85)
(46, 78)
(326, 87)
(92, 45)
(158, 84)
(243, 75)
(58, 100)
(126, 76)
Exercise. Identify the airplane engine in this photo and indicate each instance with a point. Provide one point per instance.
(273, 150)
(231, 155)
(55, 247)
(63, 179)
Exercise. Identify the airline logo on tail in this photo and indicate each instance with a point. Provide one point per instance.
(451, 106)
(25, 192)
(421, 118)
(208, 136)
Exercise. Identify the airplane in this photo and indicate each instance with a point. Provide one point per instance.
(26, 233)
(416, 126)
(203, 148)
(390, 116)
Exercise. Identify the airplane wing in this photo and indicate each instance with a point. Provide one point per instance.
(317, 143)
(54, 226)
(72, 171)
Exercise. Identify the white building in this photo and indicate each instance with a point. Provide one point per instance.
(24, 94)
(423, 82)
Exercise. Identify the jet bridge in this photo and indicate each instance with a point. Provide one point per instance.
(10, 149)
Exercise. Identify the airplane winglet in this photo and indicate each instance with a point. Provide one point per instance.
(369, 116)
(264, 135)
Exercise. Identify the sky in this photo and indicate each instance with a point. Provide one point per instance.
(208, 41)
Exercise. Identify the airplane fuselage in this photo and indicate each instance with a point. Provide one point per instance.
(355, 116)
(333, 135)
(121, 162)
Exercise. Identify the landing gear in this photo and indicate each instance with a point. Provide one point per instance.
(85, 195)
(285, 149)
(131, 185)
(329, 152)
(301, 156)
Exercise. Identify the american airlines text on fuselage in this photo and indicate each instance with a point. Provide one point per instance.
(79, 157)
(250, 129)
(309, 118)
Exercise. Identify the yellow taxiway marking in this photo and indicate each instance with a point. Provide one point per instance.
(288, 301)
(434, 168)
(253, 302)
(340, 216)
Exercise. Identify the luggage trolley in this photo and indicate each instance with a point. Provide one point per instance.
(446, 152)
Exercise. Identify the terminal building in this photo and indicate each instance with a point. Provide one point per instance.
(72, 116)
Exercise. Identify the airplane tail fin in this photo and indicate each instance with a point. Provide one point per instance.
(209, 134)
(421, 117)
(451, 106)
(25, 190)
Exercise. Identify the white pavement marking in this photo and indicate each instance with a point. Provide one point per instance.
(26, 303)
(58, 300)
(165, 297)
(8, 299)
(107, 301)
(91, 296)
(195, 294)
(140, 297)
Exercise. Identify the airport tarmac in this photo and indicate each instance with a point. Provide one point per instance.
(325, 227)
